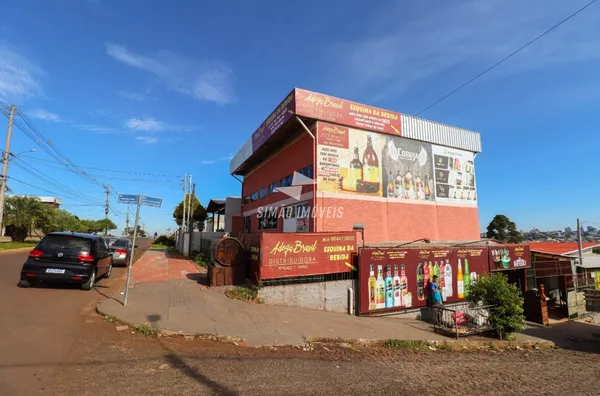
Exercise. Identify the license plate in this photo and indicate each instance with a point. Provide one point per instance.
(55, 271)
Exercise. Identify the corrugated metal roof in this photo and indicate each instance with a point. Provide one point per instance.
(560, 247)
(445, 135)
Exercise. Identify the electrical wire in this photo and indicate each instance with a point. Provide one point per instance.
(60, 195)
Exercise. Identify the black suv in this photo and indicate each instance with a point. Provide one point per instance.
(68, 257)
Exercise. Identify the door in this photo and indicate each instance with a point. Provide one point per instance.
(103, 256)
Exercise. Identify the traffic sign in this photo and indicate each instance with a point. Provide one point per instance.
(151, 201)
(128, 198)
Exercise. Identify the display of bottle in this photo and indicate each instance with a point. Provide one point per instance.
(420, 283)
(467, 276)
(356, 167)
(431, 270)
(450, 163)
(436, 270)
(390, 185)
(460, 282)
(372, 288)
(403, 284)
(398, 186)
(427, 189)
(371, 166)
(425, 275)
(448, 279)
(380, 287)
(389, 287)
(397, 288)
(443, 281)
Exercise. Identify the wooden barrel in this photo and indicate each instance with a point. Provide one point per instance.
(229, 252)
(229, 266)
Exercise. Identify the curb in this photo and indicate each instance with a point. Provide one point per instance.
(169, 333)
(16, 250)
(451, 343)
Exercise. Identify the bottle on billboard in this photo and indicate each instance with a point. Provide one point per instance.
(371, 166)
(397, 288)
(420, 283)
(431, 273)
(426, 274)
(380, 286)
(403, 284)
(389, 288)
(372, 288)
(356, 167)
(460, 282)
(448, 279)
(443, 281)
(467, 279)
(436, 270)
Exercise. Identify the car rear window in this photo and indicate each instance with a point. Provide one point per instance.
(119, 243)
(66, 242)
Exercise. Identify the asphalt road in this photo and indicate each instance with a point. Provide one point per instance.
(41, 324)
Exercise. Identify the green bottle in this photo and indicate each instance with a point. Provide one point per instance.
(467, 278)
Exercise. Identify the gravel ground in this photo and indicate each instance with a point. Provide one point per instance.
(126, 363)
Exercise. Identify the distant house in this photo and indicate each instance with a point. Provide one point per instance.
(50, 201)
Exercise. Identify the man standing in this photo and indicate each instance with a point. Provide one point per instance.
(434, 296)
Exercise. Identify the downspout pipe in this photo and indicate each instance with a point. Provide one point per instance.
(314, 148)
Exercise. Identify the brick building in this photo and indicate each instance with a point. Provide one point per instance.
(402, 177)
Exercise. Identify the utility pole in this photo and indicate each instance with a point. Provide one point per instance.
(127, 221)
(190, 207)
(184, 199)
(580, 248)
(5, 157)
(107, 207)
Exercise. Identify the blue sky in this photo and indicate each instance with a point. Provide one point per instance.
(153, 87)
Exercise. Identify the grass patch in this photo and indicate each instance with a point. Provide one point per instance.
(408, 344)
(16, 245)
(200, 261)
(245, 293)
(159, 246)
(147, 330)
(111, 319)
(173, 251)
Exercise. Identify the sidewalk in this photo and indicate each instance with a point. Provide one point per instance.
(168, 295)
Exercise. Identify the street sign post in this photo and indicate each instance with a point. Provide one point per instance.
(139, 200)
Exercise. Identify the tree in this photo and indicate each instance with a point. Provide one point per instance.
(199, 214)
(506, 314)
(502, 229)
(140, 231)
(106, 225)
(22, 214)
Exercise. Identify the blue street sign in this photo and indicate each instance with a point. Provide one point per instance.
(128, 198)
(151, 201)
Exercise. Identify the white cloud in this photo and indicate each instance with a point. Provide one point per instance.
(94, 128)
(228, 157)
(147, 125)
(146, 139)
(206, 81)
(208, 162)
(44, 115)
(19, 78)
(407, 44)
(135, 96)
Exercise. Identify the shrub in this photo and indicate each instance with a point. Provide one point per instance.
(165, 240)
(249, 292)
(507, 313)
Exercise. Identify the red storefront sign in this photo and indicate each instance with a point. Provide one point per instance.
(344, 112)
(298, 254)
(509, 257)
(276, 119)
(394, 279)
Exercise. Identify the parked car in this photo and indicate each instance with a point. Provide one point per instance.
(121, 250)
(70, 258)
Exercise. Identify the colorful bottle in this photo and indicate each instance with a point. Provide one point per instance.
(356, 167)
(460, 282)
(380, 287)
(427, 189)
(467, 279)
(436, 270)
(431, 273)
(389, 288)
(420, 283)
(397, 288)
(371, 166)
(448, 279)
(425, 275)
(372, 288)
(443, 281)
(390, 185)
(403, 284)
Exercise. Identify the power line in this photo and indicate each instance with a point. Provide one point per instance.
(505, 58)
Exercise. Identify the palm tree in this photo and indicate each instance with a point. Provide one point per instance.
(21, 214)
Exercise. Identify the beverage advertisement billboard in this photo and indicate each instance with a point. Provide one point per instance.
(395, 279)
(299, 254)
(354, 161)
(510, 257)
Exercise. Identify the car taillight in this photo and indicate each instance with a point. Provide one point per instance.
(85, 257)
(121, 251)
(36, 253)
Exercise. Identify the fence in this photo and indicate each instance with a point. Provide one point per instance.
(462, 319)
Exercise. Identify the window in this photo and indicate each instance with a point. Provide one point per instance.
(286, 181)
(254, 196)
(247, 223)
(267, 220)
(307, 171)
(65, 242)
(246, 199)
(120, 243)
(272, 187)
(262, 193)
